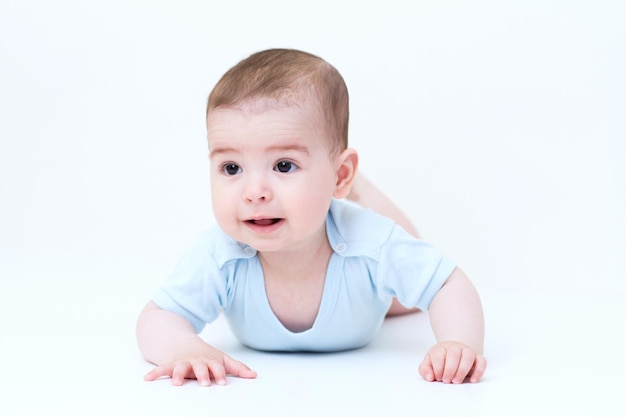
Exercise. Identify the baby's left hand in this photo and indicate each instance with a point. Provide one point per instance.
(452, 362)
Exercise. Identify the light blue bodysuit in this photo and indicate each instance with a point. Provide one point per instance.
(373, 261)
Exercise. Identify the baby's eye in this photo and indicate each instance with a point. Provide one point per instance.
(231, 169)
(285, 166)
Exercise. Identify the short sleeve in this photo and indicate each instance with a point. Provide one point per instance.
(197, 288)
(411, 269)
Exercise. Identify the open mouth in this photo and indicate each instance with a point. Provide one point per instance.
(263, 222)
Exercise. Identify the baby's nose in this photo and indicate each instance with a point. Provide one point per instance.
(257, 190)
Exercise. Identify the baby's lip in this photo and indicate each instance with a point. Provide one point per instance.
(267, 221)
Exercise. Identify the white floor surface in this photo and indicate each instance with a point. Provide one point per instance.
(72, 355)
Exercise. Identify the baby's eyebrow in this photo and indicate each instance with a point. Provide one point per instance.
(219, 150)
(289, 147)
(274, 148)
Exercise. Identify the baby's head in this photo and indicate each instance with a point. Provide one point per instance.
(277, 125)
(277, 78)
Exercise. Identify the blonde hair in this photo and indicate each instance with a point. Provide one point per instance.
(290, 77)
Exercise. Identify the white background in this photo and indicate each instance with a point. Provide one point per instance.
(497, 126)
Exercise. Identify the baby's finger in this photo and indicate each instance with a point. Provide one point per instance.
(179, 373)
(426, 369)
(240, 369)
(465, 366)
(480, 365)
(438, 361)
(451, 364)
(218, 371)
(158, 372)
(201, 373)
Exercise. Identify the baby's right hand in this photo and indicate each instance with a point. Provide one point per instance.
(214, 365)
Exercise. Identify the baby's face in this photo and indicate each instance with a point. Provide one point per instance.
(272, 176)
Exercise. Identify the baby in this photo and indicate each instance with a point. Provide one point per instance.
(292, 263)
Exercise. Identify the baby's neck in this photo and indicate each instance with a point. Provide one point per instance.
(294, 284)
(298, 262)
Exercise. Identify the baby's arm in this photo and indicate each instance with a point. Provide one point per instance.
(456, 313)
(170, 342)
(364, 193)
(457, 320)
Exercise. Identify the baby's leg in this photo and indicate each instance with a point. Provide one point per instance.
(398, 309)
(367, 195)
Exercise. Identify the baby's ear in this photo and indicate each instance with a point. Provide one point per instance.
(347, 163)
